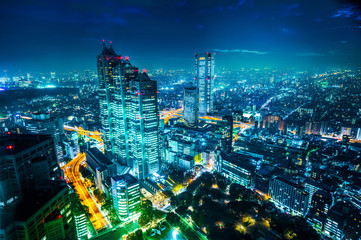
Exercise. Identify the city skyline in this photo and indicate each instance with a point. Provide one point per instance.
(204, 120)
(242, 33)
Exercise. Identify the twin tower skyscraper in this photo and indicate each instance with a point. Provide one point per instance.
(198, 99)
(129, 113)
(129, 109)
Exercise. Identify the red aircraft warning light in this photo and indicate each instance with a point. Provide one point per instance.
(10, 147)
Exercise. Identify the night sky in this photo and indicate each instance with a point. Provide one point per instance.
(66, 35)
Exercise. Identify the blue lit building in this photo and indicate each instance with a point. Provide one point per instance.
(126, 196)
(144, 126)
(101, 167)
(191, 106)
(205, 81)
(129, 114)
(320, 205)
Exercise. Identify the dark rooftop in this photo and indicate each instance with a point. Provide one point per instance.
(15, 143)
(31, 203)
(240, 160)
(97, 159)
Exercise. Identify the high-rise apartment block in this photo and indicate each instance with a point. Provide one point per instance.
(227, 133)
(289, 196)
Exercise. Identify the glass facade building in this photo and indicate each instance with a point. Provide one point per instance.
(205, 81)
(129, 114)
(191, 106)
(126, 196)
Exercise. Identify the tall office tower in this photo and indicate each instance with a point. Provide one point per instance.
(108, 74)
(190, 106)
(227, 130)
(114, 74)
(205, 81)
(129, 114)
(144, 124)
(126, 195)
(42, 123)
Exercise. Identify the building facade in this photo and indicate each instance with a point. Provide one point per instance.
(101, 167)
(126, 196)
(129, 114)
(288, 196)
(24, 161)
(204, 77)
(191, 106)
(42, 123)
(144, 126)
(227, 131)
(233, 168)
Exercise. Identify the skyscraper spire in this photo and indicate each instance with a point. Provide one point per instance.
(111, 47)
(105, 49)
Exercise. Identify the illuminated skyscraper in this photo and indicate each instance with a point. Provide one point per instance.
(114, 74)
(144, 124)
(190, 106)
(205, 81)
(107, 63)
(129, 114)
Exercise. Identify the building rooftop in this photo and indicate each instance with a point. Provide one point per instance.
(128, 178)
(289, 182)
(15, 143)
(97, 160)
(240, 160)
(31, 203)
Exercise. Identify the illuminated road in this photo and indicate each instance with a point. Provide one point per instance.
(166, 115)
(72, 174)
(92, 134)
